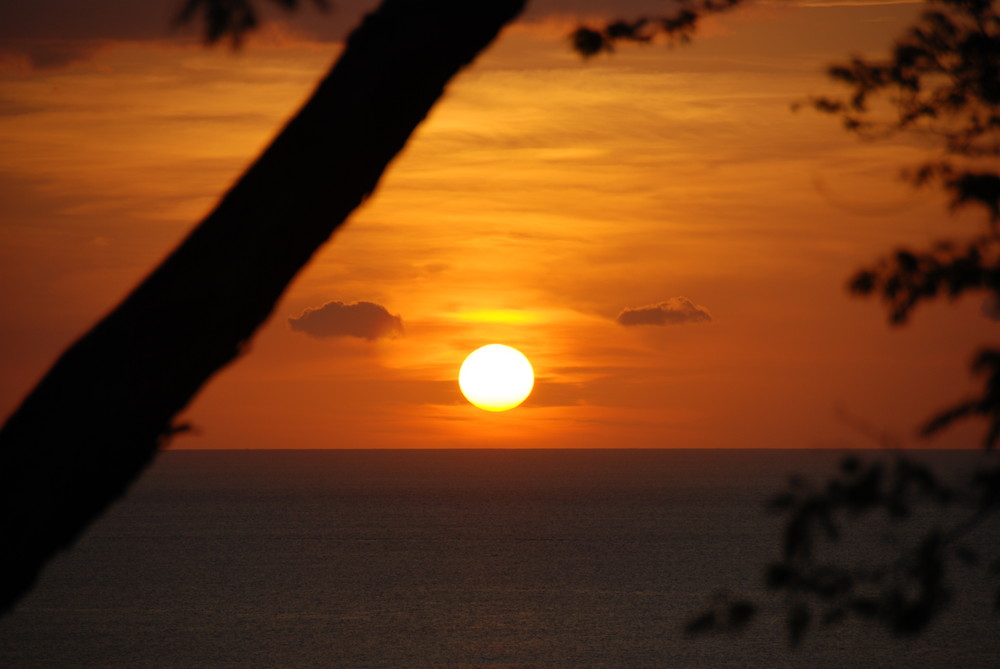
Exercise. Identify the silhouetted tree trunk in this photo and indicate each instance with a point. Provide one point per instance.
(100, 415)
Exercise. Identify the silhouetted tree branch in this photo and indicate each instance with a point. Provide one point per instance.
(103, 410)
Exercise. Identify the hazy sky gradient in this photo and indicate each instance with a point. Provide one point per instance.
(544, 197)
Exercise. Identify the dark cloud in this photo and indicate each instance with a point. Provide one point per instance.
(56, 33)
(48, 34)
(675, 311)
(365, 320)
(94, 19)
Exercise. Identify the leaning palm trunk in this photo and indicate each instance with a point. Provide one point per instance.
(102, 412)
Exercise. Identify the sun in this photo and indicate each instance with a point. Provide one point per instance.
(496, 377)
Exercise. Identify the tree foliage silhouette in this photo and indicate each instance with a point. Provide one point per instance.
(942, 82)
(101, 413)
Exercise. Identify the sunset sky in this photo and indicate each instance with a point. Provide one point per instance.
(656, 230)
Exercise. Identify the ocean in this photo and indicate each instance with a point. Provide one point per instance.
(494, 558)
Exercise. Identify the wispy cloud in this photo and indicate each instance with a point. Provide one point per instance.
(675, 311)
(47, 54)
(364, 320)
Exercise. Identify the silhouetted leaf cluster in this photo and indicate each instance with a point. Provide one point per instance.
(941, 81)
(903, 592)
(230, 18)
(948, 269)
(679, 26)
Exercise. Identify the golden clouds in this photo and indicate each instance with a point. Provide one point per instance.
(540, 197)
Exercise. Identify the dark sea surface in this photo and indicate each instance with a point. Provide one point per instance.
(450, 559)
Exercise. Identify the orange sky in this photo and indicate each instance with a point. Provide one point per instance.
(544, 196)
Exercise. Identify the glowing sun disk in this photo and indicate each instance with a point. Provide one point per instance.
(496, 377)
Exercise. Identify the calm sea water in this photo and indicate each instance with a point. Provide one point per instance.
(446, 559)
